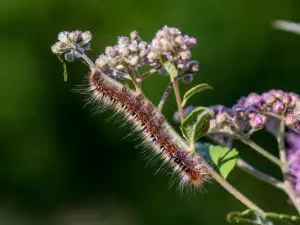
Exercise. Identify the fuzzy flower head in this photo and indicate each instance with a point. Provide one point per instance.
(71, 41)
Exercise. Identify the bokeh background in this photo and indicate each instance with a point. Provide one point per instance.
(62, 165)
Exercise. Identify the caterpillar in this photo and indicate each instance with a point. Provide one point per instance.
(165, 142)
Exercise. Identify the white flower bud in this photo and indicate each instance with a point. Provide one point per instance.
(86, 36)
(69, 56)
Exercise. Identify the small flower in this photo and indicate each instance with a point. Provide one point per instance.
(269, 98)
(278, 107)
(187, 78)
(287, 98)
(257, 122)
(291, 120)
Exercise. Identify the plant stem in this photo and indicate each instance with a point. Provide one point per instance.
(148, 73)
(178, 98)
(281, 147)
(132, 75)
(288, 187)
(258, 174)
(259, 149)
(232, 190)
(165, 96)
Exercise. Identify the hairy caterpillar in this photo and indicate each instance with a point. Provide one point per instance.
(190, 167)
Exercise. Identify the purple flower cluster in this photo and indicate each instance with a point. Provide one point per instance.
(253, 112)
(293, 158)
(235, 119)
(275, 104)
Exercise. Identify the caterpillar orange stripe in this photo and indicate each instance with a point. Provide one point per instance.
(190, 167)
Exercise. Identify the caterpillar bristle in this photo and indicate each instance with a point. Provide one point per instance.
(188, 168)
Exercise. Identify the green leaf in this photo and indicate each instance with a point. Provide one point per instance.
(194, 90)
(196, 124)
(169, 67)
(224, 158)
(62, 61)
(252, 217)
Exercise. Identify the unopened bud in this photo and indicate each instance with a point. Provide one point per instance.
(63, 37)
(134, 60)
(269, 98)
(75, 35)
(290, 120)
(192, 66)
(185, 56)
(102, 61)
(110, 51)
(187, 78)
(257, 122)
(220, 118)
(69, 56)
(278, 107)
(133, 47)
(287, 99)
(59, 48)
(134, 35)
(86, 36)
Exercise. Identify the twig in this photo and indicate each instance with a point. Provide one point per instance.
(258, 174)
(165, 96)
(259, 149)
(232, 190)
(148, 73)
(132, 75)
(178, 98)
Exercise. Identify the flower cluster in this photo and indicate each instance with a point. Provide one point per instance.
(129, 52)
(169, 42)
(252, 113)
(293, 158)
(235, 119)
(275, 104)
(70, 41)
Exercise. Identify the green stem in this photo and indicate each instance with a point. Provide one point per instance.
(178, 98)
(258, 174)
(165, 96)
(148, 73)
(232, 190)
(259, 149)
(132, 75)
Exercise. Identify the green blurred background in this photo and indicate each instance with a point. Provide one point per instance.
(62, 165)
